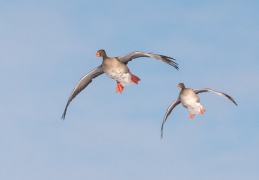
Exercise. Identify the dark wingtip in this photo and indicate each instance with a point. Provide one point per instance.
(63, 117)
(177, 68)
(171, 61)
(161, 137)
(234, 101)
(161, 130)
(64, 114)
(175, 65)
(230, 98)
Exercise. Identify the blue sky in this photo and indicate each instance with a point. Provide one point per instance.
(47, 46)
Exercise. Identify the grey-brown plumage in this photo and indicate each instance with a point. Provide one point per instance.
(189, 99)
(116, 68)
(112, 66)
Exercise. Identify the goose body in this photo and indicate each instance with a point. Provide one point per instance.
(190, 100)
(116, 68)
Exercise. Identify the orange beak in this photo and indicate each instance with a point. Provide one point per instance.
(97, 54)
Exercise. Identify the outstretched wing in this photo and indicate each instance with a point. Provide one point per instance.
(197, 91)
(82, 83)
(168, 111)
(137, 54)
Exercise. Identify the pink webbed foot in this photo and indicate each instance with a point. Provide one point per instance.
(202, 111)
(191, 116)
(119, 87)
(134, 79)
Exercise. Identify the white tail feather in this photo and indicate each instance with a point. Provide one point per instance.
(195, 108)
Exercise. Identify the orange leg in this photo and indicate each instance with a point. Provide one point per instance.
(119, 87)
(134, 79)
(191, 115)
(202, 111)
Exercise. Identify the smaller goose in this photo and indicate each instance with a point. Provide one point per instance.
(116, 68)
(189, 99)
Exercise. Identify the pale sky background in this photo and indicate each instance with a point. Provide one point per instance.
(47, 46)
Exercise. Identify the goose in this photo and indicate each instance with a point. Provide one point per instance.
(116, 68)
(189, 99)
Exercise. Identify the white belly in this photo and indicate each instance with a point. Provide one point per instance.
(192, 104)
(194, 108)
(119, 75)
(124, 79)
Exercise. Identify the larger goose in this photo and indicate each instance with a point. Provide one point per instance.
(116, 68)
(189, 99)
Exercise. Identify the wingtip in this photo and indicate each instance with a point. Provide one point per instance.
(175, 65)
(234, 102)
(161, 131)
(65, 112)
(63, 116)
(230, 98)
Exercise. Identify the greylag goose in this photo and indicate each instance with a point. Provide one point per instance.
(116, 68)
(189, 99)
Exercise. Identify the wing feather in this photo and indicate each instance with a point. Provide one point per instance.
(197, 91)
(168, 111)
(82, 83)
(137, 54)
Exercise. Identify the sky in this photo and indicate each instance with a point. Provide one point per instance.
(47, 46)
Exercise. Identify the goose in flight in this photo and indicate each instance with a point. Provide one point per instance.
(116, 68)
(189, 99)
